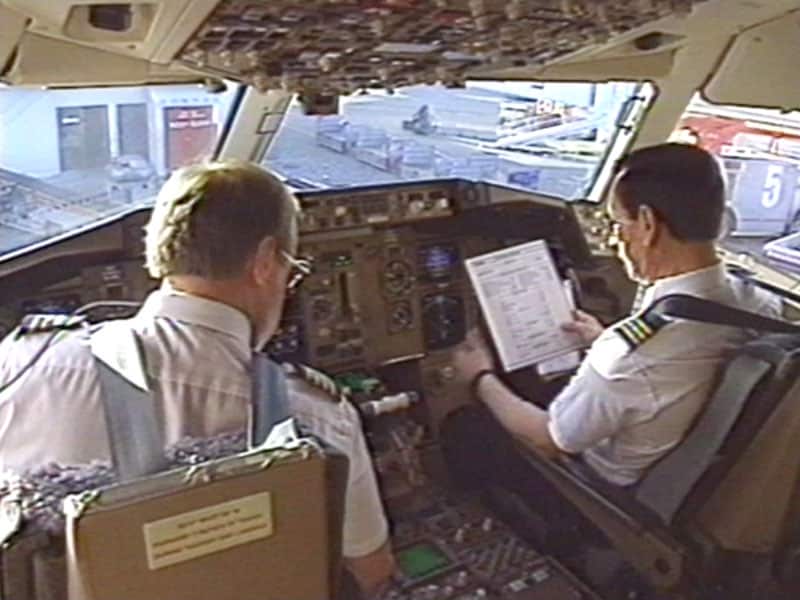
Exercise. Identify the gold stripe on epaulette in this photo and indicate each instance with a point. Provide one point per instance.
(636, 330)
(630, 331)
(41, 323)
(625, 335)
(646, 329)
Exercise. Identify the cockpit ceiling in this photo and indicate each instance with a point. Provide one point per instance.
(339, 47)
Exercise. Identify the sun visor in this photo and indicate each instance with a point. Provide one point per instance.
(33, 65)
(742, 78)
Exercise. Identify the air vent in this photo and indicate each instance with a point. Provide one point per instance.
(656, 40)
(117, 22)
(111, 17)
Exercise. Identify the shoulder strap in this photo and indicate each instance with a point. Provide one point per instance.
(40, 323)
(270, 398)
(134, 431)
(137, 448)
(683, 306)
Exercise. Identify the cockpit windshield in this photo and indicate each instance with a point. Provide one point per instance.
(545, 137)
(73, 157)
(70, 158)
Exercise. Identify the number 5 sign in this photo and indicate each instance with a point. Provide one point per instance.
(772, 186)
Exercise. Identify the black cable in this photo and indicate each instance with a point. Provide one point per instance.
(77, 312)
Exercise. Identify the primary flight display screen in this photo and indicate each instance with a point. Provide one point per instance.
(421, 560)
(438, 262)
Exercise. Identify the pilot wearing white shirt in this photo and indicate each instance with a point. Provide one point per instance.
(626, 407)
(642, 383)
(222, 236)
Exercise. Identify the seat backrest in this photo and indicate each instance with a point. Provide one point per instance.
(750, 386)
(306, 495)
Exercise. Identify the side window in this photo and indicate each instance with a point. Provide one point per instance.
(760, 150)
(95, 152)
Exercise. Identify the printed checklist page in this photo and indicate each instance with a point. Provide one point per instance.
(524, 303)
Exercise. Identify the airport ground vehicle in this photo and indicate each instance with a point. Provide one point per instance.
(129, 167)
(764, 196)
(63, 247)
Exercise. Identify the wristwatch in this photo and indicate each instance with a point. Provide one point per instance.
(476, 381)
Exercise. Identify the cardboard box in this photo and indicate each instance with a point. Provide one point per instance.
(260, 526)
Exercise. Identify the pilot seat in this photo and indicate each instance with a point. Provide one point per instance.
(720, 512)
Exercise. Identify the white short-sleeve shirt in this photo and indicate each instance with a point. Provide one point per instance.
(198, 359)
(624, 409)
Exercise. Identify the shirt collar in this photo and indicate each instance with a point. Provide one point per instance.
(186, 308)
(694, 283)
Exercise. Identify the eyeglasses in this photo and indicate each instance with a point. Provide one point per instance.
(300, 268)
(614, 229)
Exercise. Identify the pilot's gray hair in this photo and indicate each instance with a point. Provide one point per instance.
(209, 219)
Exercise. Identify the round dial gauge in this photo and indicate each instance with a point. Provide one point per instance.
(397, 278)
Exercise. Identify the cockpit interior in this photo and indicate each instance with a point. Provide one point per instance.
(417, 134)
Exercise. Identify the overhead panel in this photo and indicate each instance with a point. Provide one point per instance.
(80, 65)
(330, 48)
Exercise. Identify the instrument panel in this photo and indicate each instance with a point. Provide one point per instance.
(378, 206)
(387, 285)
(387, 292)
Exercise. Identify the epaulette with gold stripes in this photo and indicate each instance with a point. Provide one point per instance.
(317, 379)
(46, 322)
(636, 330)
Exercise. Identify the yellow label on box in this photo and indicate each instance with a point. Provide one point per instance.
(207, 530)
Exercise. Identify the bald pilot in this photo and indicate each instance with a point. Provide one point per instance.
(222, 238)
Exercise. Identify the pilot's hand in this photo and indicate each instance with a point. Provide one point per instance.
(467, 359)
(472, 356)
(587, 327)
